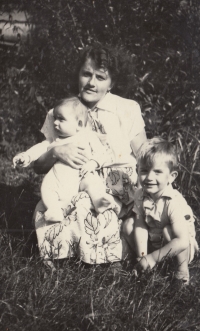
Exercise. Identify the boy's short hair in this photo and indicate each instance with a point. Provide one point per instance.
(158, 146)
(80, 111)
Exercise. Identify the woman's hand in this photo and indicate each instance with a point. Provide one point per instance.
(69, 154)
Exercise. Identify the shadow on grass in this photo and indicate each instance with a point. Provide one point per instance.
(17, 205)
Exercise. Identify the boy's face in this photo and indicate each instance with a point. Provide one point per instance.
(65, 122)
(155, 178)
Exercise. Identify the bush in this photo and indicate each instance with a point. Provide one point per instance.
(162, 39)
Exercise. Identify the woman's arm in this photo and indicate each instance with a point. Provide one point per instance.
(45, 162)
(69, 154)
(138, 140)
(136, 143)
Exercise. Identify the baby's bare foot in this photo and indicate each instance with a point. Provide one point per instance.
(103, 204)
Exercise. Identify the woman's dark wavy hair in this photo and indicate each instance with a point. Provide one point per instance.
(116, 60)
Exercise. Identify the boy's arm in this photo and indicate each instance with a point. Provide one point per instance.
(140, 236)
(179, 243)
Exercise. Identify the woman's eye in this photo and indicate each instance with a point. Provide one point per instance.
(100, 78)
(86, 74)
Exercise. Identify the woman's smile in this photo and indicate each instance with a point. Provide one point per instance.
(88, 90)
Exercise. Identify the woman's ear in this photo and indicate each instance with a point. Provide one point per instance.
(173, 176)
(110, 88)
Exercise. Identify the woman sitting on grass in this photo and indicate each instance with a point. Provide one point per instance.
(62, 182)
(164, 223)
(95, 238)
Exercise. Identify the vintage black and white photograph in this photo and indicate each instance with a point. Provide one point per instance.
(106, 95)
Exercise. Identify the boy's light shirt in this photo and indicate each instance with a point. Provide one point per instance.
(122, 121)
(169, 208)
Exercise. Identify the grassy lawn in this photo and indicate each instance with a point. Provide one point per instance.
(78, 296)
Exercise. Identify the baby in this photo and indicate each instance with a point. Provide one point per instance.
(62, 182)
(164, 223)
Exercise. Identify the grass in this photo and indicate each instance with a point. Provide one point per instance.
(81, 297)
(78, 296)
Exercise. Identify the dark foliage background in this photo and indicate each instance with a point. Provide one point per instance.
(162, 38)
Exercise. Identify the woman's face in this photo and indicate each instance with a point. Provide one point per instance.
(94, 83)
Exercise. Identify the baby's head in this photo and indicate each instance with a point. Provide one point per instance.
(157, 165)
(70, 116)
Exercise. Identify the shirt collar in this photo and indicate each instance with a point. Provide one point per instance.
(107, 103)
(169, 192)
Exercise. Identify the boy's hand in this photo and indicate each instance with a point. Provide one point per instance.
(88, 167)
(21, 160)
(144, 263)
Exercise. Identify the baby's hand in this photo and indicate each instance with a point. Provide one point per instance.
(144, 263)
(21, 160)
(88, 167)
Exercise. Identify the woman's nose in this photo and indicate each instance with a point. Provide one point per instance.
(92, 80)
(56, 122)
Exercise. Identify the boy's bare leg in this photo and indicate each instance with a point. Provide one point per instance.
(182, 258)
(128, 231)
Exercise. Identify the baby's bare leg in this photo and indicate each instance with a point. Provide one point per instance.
(57, 190)
(94, 186)
(50, 199)
(182, 258)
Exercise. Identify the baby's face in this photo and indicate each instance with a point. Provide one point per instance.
(154, 178)
(65, 122)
